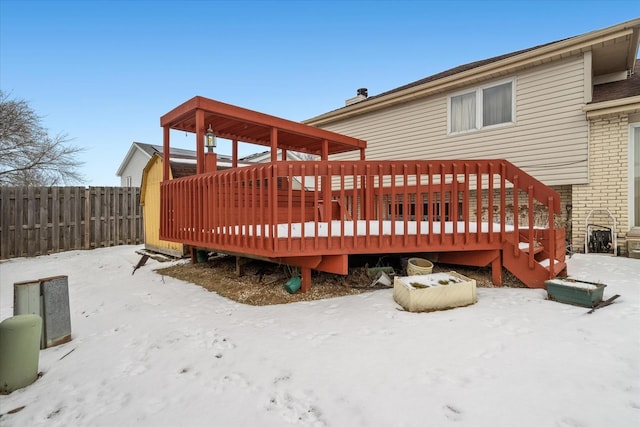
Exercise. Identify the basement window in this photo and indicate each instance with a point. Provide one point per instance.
(483, 107)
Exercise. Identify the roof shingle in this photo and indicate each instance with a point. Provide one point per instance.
(617, 90)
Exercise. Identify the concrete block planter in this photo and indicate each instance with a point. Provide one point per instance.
(436, 291)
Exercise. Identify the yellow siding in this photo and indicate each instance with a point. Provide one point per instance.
(152, 176)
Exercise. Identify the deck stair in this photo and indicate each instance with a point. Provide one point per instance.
(531, 262)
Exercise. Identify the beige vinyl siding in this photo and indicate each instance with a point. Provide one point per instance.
(548, 140)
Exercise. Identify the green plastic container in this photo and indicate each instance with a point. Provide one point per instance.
(293, 285)
(19, 351)
(575, 292)
(202, 256)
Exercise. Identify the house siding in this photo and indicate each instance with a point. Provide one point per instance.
(608, 186)
(134, 169)
(549, 139)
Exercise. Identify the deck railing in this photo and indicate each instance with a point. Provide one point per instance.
(331, 207)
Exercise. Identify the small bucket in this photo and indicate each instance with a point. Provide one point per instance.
(293, 285)
(419, 266)
(202, 256)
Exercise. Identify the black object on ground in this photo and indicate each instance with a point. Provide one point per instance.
(603, 303)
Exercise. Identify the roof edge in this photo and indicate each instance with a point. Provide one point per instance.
(523, 59)
(127, 157)
(612, 106)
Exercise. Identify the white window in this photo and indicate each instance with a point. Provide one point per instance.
(128, 182)
(482, 107)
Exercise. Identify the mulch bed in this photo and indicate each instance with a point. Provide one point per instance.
(263, 283)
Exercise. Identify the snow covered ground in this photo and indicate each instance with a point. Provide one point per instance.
(152, 351)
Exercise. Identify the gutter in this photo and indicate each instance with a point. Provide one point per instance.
(615, 106)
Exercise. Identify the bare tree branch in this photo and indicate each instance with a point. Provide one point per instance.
(28, 154)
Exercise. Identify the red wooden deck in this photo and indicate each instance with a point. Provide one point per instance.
(320, 212)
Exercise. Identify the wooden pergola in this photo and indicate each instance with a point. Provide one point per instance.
(242, 125)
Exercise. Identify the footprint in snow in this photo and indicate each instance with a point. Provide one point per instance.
(491, 350)
(508, 326)
(296, 409)
(332, 309)
(452, 412)
(282, 378)
(221, 343)
(319, 339)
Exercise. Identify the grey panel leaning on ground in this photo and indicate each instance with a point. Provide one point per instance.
(55, 295)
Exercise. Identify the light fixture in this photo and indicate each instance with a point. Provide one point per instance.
(210, 140)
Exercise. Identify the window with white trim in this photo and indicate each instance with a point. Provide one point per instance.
(482, 107)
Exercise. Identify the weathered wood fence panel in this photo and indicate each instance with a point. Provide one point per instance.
(43, 220)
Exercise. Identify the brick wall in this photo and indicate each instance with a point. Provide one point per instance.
(608, 186)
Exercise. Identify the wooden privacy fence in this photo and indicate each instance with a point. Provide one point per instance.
(43, 220)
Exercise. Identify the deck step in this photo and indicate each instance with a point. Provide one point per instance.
(524, 247)
(557, 267)
(533, 275)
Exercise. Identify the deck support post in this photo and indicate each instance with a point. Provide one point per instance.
(239, 264)
(306, 279)
(496, 271)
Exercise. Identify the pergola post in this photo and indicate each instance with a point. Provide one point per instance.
(325, 150)
(234, 153)
(166, 153)
(274, 144)
(200, 162)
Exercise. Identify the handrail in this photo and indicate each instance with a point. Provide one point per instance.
(281, 208)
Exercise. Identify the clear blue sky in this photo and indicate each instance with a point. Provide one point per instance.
(105, 71)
